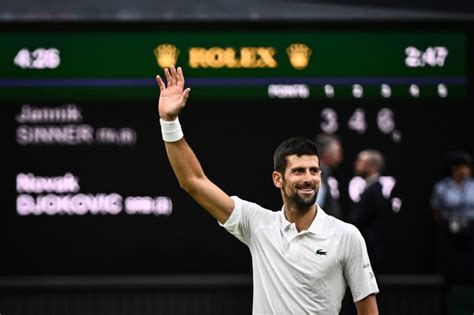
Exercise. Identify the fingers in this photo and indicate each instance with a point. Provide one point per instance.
(180, 77)
(186, 92)
(185, 95)
(160, 82)
(168, 77)
(173, 75)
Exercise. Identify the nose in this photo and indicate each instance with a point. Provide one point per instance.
(309, 176)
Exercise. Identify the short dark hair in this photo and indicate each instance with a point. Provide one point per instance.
(458, 157)
(294, 146)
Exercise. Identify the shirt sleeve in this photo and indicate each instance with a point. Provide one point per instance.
(357, 269)
(245, 216)
(435, 201)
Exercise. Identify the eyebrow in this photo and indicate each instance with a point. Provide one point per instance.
(314, 168)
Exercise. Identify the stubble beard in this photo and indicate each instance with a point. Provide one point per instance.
(302, 203)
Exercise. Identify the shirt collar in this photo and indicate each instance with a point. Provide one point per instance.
(317, 227)
(456, 184)
(372, 179)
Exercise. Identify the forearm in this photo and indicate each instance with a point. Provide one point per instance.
(184, 162)
(367, 306)
(437, 216)
(368, 312)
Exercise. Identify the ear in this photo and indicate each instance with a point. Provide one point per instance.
(277, 179)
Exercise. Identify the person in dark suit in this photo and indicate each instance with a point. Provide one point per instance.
(372, 213)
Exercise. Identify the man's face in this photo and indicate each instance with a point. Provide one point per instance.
(462, 171)
(301, 180)
(335, 154)
(361, 164)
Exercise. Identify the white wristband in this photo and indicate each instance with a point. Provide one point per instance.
(171, 130)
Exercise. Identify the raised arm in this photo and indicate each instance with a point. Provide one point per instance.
(184, 162)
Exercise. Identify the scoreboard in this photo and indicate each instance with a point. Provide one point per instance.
(87, 185)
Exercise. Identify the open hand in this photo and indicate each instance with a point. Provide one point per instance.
(172, 97)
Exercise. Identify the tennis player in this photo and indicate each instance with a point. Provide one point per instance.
(302, 258)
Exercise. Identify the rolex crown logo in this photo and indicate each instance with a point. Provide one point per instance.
(299, 55)
(166, 55)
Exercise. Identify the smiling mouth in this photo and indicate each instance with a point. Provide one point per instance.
(306, 191)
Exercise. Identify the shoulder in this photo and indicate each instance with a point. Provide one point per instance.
(444, 181)
(252, 209)
(442, 184)
(469, 186)
(350, 241)
(247, 217)
(239, 202)
(341, 229)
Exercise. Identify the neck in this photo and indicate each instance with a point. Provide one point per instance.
(372, 177)
(458, 179)
(302, 218)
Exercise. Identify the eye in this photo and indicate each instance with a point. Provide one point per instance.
(298, 171)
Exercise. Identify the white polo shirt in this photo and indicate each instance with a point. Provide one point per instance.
(306, 272)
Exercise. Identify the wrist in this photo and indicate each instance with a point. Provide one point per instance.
(168, 117)
(171, 129)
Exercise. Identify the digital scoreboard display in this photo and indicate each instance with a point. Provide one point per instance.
(88, 188)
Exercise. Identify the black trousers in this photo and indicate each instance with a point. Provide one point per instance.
(455, 255)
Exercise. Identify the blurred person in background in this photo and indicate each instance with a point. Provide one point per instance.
(330, 155)
(372, 214)
(452, 201)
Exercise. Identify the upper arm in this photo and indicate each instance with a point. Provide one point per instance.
(436, 196)
(192, 179)
(357, 268)
(367, 306)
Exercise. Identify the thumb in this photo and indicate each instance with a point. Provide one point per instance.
(184, 96)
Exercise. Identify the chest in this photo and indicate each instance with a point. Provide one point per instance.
(459, 196)
(302, 254)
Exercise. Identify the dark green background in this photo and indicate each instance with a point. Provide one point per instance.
(95, 54)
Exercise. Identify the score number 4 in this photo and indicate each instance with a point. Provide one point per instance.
(39, 58)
